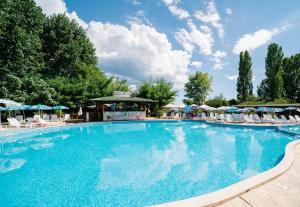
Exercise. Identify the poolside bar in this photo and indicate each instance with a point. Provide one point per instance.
(120, 108)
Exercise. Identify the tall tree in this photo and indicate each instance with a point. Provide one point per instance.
(291, 77)
(273, 84)
(198, 87)
(159, 90)
(244, 81)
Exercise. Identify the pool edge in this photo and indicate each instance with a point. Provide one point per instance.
(232, 191)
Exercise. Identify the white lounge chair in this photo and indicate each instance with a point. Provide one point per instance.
(284, 119)
(46, 117)
(67, 117)
(14, 122)
(203, 116)
(41, 122)
(30, 120)
(212, 116)
(292, 119)
(164, 116)
(36, 116)
(20, 118)
(176, 116)
(256, 118)
(228, 118)
(297, 118)
(53, 117)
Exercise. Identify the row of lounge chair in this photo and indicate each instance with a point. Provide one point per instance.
(36, 121)
(253, 118)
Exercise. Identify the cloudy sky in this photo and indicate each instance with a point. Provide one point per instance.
(139, 39)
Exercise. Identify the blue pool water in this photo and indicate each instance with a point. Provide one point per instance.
(292, 128)
(131, 163)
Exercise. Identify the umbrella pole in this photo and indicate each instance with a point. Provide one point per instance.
(23, 116)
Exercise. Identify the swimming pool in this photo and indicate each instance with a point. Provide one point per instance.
(131, 163)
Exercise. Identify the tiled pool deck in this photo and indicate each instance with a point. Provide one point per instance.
(282, 191)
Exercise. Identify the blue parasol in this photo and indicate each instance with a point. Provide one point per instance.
(262, 109)
(40, 108)
(60, 107)
(187, 109)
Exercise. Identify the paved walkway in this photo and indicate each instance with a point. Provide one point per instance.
(283, 191)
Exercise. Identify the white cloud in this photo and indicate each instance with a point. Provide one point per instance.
(135, 2)
(228, 11)
(201, 39)
(196, 64)
(180, 13)
(256, 39)
(138, 52)
(140, 18)
(232, 77)
(170, 2)
(219, 54)
(51, 7)
(211, 16)
(219, 65)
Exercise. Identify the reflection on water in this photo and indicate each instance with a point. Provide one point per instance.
(16, 145)
(125, 169)
(7, 165)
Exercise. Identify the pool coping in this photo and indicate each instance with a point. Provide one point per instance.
(232, 191)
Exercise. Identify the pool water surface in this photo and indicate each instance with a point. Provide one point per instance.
(131, 163)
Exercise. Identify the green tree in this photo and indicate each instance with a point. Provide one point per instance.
(159, 90)
(272, 86)
(291, 77)
(67, 49)
(217, 101)
(21, 57)
(198, 87)
(244, 81)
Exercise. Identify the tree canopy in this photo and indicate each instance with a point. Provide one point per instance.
(291, 77)
(159, 90)
(198, 87)
(48, 60)
(271, 88)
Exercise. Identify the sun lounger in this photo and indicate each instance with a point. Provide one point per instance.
(164, 116)
(297, 118)
(20, 118)
(68, 117)
(41, 122)
(228, 118)
(292, 119)
(46, 117)
(36, 116)
(15, 123)
(53, 117)
(284, 119)
(256, 118)
(212, 116)
(176, 116)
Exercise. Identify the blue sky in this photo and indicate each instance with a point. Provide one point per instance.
(139, 39)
